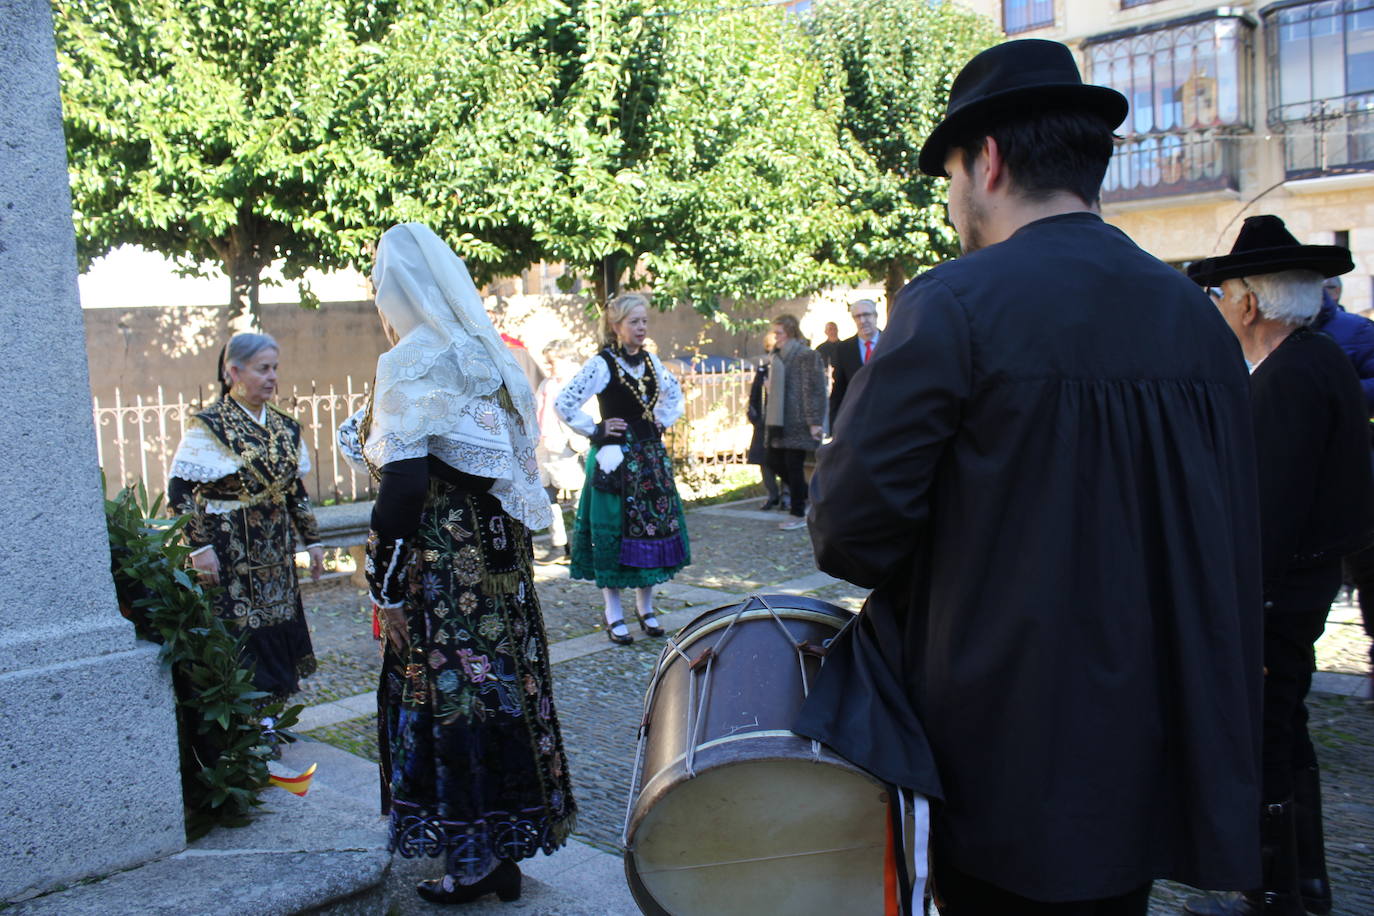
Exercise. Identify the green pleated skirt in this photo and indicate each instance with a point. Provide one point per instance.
(597, 534)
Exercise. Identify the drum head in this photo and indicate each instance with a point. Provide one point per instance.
(763, 836)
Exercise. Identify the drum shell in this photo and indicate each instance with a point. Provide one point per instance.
(752, 695)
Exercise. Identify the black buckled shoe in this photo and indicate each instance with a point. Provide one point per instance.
(620, 639)
(504, 882)
(650, 629)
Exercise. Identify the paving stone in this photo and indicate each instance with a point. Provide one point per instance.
(599, 690)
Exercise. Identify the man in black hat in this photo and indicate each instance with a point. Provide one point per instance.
(1046, 475)
(1316, 500)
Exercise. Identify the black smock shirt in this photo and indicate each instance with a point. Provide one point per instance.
(1316, 492)
(1046, 474)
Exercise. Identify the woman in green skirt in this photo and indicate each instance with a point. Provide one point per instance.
(630, 530)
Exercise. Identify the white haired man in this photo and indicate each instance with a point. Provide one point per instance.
(1316, 498)
(853, 353)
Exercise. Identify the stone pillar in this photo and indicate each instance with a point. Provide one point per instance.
(88, 761)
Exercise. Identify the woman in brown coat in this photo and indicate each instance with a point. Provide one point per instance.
(794, 411)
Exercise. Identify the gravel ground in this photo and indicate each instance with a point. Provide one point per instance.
(340, 619)
(599, 696)
(741, 555)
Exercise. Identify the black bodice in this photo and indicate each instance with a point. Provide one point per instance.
(618, 400)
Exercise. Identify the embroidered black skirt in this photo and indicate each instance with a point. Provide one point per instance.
(472, 758)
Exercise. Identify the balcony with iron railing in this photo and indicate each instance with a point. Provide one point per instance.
(1148, 166)
(1326, 137)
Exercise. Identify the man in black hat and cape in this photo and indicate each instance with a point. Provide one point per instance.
(1046, 475)
(1316, 500)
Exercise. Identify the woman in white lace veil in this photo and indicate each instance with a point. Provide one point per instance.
(449, 387)
(450, 436)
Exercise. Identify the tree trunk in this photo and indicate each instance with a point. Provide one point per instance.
(607, 279)
(893, 283)
(243, 295)
(244, 254)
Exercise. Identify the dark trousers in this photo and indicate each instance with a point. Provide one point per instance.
(1359, 572)
(770, 481)
(790, 465)
(963, 895)
(1288, 665)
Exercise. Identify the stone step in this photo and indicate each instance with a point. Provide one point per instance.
(297, 854)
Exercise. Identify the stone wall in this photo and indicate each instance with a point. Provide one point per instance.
(87, 731)
(139, 349)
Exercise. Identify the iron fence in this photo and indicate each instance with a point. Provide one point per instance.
(137, 436)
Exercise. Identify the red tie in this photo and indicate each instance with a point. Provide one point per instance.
(868, 349)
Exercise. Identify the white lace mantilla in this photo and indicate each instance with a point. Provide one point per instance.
(514, 469)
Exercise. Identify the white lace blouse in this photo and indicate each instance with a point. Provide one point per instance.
(593, 379)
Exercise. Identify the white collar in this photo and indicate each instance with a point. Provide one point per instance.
(260, 419)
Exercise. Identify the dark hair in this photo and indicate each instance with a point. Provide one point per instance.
(1048, 151)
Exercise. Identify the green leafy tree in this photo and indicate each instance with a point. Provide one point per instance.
(678, 145)
(896, 60)
(225, 132)
(693, 148)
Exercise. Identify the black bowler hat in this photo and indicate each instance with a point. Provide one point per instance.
(1016, 76)
(1265, 246)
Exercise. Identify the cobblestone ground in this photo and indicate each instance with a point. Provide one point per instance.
(600, 695)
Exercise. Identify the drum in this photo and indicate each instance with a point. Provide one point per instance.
(730, 811)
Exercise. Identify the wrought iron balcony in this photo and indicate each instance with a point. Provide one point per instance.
(1167, 164)
(1327, 137)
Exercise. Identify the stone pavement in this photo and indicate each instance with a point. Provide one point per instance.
(599, 690)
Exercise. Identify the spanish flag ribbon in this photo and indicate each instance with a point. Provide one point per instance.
(296, 785)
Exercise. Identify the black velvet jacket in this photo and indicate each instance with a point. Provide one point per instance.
(1046, 474)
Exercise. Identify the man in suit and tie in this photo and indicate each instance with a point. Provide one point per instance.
(850, 356)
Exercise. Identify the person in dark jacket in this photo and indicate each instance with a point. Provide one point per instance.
(1053, 503)
(850, 354)
(1353, 333)
(1316, 499)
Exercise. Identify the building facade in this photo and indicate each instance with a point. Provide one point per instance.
(1236, 110)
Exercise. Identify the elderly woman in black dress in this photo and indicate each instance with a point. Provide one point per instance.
(238, 474)
(472, 757)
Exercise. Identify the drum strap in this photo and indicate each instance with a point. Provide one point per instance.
(908, 844)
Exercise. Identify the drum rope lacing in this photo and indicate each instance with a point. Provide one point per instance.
(696, 697)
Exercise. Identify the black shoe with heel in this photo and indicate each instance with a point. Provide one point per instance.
(618, 639)
(504, 882)
(652, 629)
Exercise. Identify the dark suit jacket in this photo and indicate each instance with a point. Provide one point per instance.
(1316, 493)
(1046, 474)
(845, 363)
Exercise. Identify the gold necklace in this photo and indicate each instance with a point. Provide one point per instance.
(639, 387)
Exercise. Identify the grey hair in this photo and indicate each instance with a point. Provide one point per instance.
(243, 347)
(1290, 296)
(858, 302)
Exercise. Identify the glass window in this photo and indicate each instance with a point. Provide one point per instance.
(1184, 78)
(1189, 90)
(1322, 84)
(1020, 15)
(1323, 51)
